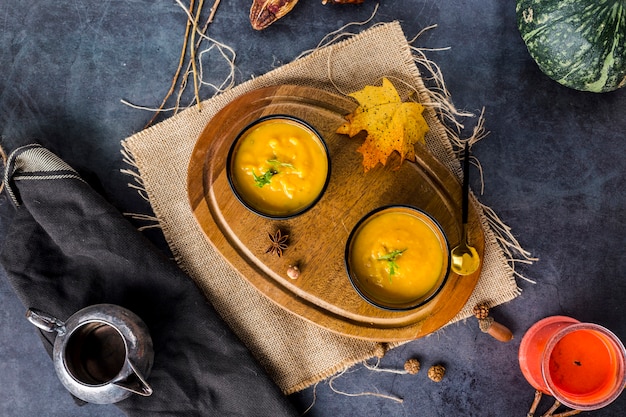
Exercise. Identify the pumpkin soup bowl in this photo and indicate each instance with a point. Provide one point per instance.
(278, 166)
(397, 257)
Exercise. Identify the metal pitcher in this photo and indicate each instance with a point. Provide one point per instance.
(102, 353)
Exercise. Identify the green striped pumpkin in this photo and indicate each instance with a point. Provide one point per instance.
(579, 43)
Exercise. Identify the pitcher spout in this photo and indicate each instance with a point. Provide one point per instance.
(134, 382)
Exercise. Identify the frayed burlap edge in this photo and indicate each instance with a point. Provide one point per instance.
(502, 237)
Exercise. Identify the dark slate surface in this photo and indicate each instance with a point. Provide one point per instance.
(553, 166)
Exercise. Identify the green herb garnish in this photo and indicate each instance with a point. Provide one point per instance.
(391, 258)
(261, 180)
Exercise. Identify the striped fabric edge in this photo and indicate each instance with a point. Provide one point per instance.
(34, 162)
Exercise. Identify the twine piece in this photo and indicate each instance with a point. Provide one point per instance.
(195, 67)
(360, 394)
(376, 368)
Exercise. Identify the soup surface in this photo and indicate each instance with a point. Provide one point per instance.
(397, 257)
(279, 167)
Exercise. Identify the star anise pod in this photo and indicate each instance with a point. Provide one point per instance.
(278, 243)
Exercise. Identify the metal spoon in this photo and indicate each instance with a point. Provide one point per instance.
(465, 259)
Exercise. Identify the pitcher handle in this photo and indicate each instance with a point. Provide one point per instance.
(45, 321)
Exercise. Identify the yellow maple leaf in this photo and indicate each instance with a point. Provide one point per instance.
(391, 124)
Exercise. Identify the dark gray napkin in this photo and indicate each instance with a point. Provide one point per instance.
(67, 248)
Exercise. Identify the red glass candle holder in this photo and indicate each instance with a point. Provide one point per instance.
(582, 365)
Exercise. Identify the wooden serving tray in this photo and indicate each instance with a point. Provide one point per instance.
(322, 293)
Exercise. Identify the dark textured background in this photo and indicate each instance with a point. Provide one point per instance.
(553, 168)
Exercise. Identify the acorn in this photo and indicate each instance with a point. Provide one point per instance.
(488, 325)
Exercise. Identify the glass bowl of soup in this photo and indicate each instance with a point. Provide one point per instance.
(397, 257)
(278, 166)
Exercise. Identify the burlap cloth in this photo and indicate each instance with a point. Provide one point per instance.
(294, 352)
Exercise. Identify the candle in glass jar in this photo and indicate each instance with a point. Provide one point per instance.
(581, 364)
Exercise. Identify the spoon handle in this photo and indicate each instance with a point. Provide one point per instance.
(465, 205)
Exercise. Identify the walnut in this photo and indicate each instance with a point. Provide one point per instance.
(412, 366)
(436, 373)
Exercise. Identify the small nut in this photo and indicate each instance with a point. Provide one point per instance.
(293, 272)
(436, 373)
(412, 366)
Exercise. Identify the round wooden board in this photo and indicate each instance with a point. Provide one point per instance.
(323, 294)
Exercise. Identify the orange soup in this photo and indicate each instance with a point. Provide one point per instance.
(398, 256)
(279, 167)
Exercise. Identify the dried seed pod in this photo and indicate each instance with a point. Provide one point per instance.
(265, 12)
(481, 311)
(412, 366)
(278, 243)
(436, 372)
